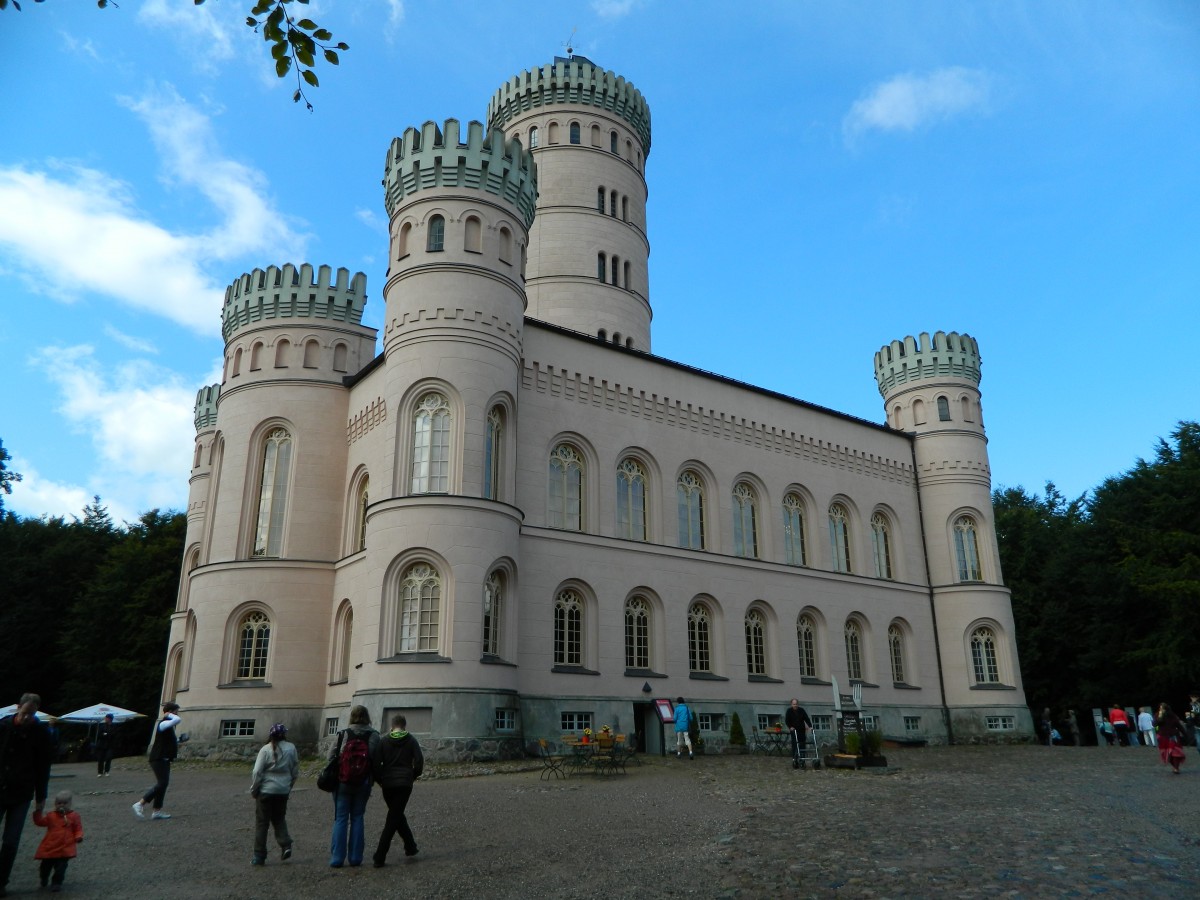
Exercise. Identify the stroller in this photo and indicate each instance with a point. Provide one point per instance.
(805, 753)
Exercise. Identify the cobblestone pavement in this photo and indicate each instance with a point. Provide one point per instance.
(957, 821)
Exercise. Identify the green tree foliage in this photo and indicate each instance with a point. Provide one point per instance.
(7, 478)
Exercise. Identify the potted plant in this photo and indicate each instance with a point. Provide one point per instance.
(737, 736)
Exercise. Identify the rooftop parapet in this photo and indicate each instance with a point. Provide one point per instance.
(944, 355)
(434, 157)
(291, 293)
(206, 406)
(577, 81)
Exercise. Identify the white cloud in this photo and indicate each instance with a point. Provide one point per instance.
(371, 219)
(908, 102)
(36, 496)
(83, 47)
(128, 340)
(613, 9)
(395, 18)
(200, 27)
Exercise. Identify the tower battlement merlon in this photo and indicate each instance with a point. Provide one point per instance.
(206, 407)
(944, 355)
(575, 81)
(289, 292)
(435, 157)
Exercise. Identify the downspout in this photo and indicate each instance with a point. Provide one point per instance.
(937, 644)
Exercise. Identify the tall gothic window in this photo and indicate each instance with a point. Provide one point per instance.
(272, 493)
(745, 521)
(690, 493)
(854, 649)
(493, 611)
(420, 609)
(793, 530)
(360, 529)
(431, 446)
(699, 638)
(896, 652)
(806, 643)
(565, 490)
(568, 629)
(436, 234)
(966, 549)
(839, 537)
(637, 633)
(756, 643)
(491, 454)
(631, 500)
(881, 545)
(983, 656)
(254, 642)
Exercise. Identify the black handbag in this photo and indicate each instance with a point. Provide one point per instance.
(327, 781)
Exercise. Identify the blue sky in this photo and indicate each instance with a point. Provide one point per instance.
(824, 177)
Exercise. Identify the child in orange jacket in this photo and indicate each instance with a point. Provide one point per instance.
(64, 829)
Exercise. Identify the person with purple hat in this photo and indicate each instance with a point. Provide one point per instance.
(275, 772)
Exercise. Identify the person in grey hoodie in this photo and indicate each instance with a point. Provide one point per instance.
(275, 772)
(399, 763)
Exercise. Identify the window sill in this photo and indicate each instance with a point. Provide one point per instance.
(905, 686)
(809, 679)
(490, 659)
(854, 681)
(424, 656)
(572, 670)
(706, 676)
(993, 687)
(763, 679)
(643, 673)
(245, 683)
(339, 681)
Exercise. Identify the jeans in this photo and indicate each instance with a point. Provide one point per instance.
(349, 805)
(270, 810)
(396, 799)
(162, 771)
(14, 815)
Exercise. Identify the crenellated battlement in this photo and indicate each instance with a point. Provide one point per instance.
(437, 157)
(943, 355)
(577, 81)
(206, 406)
(293, 293)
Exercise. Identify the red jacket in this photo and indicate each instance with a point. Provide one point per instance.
(1117, 717)
(63, 832)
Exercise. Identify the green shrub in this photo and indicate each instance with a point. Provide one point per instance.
(737, 736)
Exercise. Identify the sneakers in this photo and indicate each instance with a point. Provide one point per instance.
(161, 815)
(286, 853)
(691, 755)
(257, 861)
(679, 754)
(137, 810)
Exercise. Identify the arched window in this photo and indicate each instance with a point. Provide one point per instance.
(420, 609)
(491, 454)
(272, 493)
(918, 412)
(237, 363)
(595, 130)
(745, 521)
(282, 350)
(629, 150)
(437, 234)
(854, 650)
(473, 235)
(896, 412)
(756, 643)
(360, 530)
(505, 245)
(431, 446)
(343, 641)
(839, 537)
(625, 209)
(256, 357)
(943, 406)
(612, 142)
(402, 245)
(983, 656)
(533, 137)
(689, 491)
(312, 354)
(612, 204)
(616, 267)
(631, 500)
(793, 530)
(699, 638)
(601, 266)
(340, 352)
(568, 629)
(493, 611)
(806, 644)
(637, 633)
(626, 274)
(565, 490)
(600, 193)
(881, 545)
(896, 652)
(965, 403)
(966, 549)
(553, 132)
(574, 132)
(254, 643)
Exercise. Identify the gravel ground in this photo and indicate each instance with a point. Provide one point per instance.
(957, 821)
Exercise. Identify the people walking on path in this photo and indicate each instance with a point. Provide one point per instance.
(25, 757)
(276, 769)
(683, 719)
(1171, 735)
(163, 750)
(354, 754)
(400, 763)
(1145, 724)
(106, 733)
(64, 829)
(1192, 719)
(798, 725)
(1120, 724)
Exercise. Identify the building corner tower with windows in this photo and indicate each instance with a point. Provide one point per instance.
(514, 522)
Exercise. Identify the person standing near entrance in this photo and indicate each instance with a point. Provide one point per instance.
(400, 763)
(25, 757)
(1120, 724)
(163, 751)
(683, 718)
(798, 725)
(106, 732)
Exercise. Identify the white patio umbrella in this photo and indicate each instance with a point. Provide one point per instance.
(97, 712)
(11, 710)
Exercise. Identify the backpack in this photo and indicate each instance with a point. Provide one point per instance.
(354, 763)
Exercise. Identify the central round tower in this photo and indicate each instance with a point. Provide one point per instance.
(589, 131)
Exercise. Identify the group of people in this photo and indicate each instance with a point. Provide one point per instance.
(1163, 729)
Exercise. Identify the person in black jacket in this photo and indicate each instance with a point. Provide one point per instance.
(105, 732)
(163, 751)
(25, 757)
(398, 765)
(797, 721)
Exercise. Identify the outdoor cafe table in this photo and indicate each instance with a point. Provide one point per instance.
(775, 742)
(593, 755)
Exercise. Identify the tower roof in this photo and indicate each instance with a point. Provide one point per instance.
(291, 293)
(946, 354)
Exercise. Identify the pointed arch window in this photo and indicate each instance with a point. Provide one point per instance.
(254, 643)
(637, 633)
(420, 609)
(881, 545)
(806, 644)
(431, 446)
(344, 641)
(272, 493)
(491, 454)
(756, 643)
(689, 491)
(360, 529)
(966, 549)
(983, 656)
(839, 537)
(853, 635)
(793, 530)
(565, 490)
(631, 500)
(896, 652)
(699, 638)
(493, 611)
(568, 629)
(436, 235)
(745, 521)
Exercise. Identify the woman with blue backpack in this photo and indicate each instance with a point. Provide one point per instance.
(353, 756)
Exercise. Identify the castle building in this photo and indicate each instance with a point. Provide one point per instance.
(517, 522)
